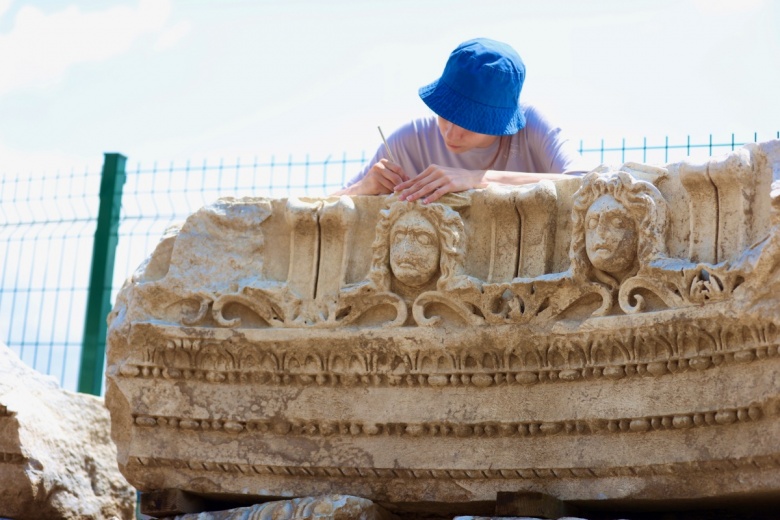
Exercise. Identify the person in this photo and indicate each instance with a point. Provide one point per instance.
(481, 134)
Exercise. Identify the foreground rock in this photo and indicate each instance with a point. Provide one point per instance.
(606, 339)
(57, 460)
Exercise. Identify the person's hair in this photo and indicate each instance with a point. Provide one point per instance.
(449, 230)
(643, 202)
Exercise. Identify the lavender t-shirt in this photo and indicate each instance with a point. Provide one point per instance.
(539, 147)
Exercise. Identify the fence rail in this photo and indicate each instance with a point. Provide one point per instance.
(50, 228)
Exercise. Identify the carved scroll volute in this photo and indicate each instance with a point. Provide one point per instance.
(337, 220)
(304, 246)
(537, 209)
(703, 207)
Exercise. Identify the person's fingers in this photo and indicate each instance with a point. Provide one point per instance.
(393, 177)
(401, 173)
(412, 185)
(420, 179)
(384, 179)
(423, 189)
(417, 187)
(437, 194)
(404, 185)
(384, 182)
(396, 170)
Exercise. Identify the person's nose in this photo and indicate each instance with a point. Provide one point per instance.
(456, 133)
(453, 132)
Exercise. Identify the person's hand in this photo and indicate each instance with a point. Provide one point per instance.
(381, 179)
(437, 181)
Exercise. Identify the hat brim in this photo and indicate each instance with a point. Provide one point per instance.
(469, 114)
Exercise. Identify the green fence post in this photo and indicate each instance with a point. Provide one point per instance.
(93, 348)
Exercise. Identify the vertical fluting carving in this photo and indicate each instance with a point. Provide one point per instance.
(536, 207)
(703, 207)
(733, 179)
(504, 233)
(304, 246)
(337, 220)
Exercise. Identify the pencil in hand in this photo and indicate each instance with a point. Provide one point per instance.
(387, 147)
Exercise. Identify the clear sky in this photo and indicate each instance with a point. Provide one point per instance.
(162, 80)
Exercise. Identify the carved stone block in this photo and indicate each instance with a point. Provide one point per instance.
(611, 337)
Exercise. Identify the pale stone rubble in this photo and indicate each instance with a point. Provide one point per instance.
(613, 338)
(327, 507)
(57, 460)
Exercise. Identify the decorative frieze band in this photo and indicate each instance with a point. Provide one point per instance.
(484, 377)
(250, 470)
(327, 428)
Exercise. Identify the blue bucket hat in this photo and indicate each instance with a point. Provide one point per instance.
(479, 89)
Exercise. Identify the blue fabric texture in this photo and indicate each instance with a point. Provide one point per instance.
(479, 89)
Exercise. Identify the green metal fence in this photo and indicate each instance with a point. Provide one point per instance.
(66, 248)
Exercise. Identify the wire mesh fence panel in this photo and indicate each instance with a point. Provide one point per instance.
(46, 232)
(663, 150)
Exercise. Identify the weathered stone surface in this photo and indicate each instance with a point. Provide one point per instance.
(607, 338)
(57, 460)
(327, 507)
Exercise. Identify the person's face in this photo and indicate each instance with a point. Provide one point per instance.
(414, 249)
(459, 140)
(610, 236)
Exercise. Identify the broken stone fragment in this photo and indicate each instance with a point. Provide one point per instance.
(57, 460)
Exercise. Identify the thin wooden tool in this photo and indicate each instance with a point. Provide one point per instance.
(387, 148)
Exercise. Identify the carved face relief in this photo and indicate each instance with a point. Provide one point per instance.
(414, 249)
(610, 236)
